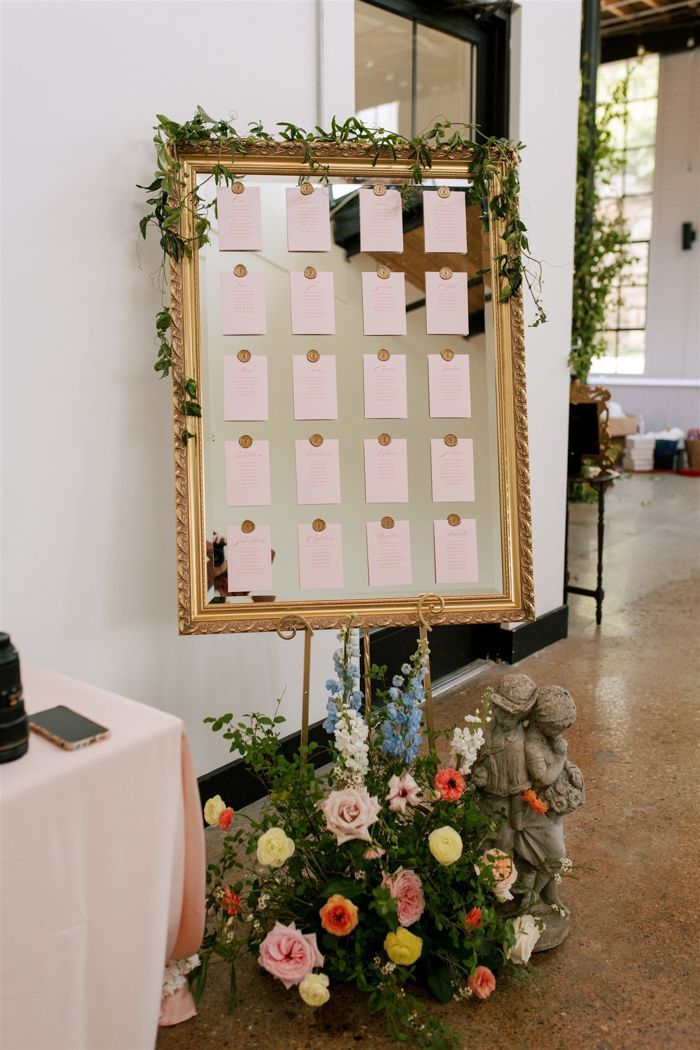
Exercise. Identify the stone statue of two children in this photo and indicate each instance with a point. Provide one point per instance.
(527, 785)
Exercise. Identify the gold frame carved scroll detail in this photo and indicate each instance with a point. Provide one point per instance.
(516, 600)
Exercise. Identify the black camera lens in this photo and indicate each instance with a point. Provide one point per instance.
(14, 731)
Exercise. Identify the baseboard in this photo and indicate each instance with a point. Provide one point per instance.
(527, 638)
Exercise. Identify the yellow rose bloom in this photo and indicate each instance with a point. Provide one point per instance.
(213, 809)
(314, 989)
(403, 947)
(445, 844)
(274, 848)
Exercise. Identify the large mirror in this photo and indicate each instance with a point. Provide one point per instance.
(336, 471)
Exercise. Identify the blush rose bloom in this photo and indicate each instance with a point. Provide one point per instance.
(274, 848)
(374, 853)
(314, 989)
(349, 814)
(403, 791)
(527, 934)
(407, 890)
(446, 845)
(288, 954)
(482, 982)
(213, 809)
(504, 872)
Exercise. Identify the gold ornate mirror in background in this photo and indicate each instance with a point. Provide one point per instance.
(358, 448)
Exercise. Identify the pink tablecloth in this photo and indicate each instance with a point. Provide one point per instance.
(101, 875)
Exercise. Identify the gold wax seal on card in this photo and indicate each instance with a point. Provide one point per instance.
(384, 272)
(313, 356)
(318, 525)
(447, 354)
(248, 525)
(306, 188)
(310, 272)
(380, 189)
(450, 440)
(245, 441)
(316, 440)
(238, 187)
(384, 439)
(243, 356)
(454, 519)
(444, 191)
(240, 270)
(445, 273)
(387, 522)
(383, 354)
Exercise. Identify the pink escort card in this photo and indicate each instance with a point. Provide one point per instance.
(308, 219)
(446, 304)
(247, 474)
(315, 391)
(448, 385)
(445, 221)
(243, 304)
(389, 554)
(240, 219)
(385, 386)
(249, 559)
(313, 306)
(320, 557)
(245, 387)
(383, 304)
(381, 221)
(452, 469)
(386, 471)
(455, 552)
(318, 471)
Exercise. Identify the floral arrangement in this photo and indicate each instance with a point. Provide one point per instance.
(376, 875)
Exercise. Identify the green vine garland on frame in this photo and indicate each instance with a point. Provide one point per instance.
(169, 200)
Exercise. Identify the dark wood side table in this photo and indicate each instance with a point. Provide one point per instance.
(600, 484)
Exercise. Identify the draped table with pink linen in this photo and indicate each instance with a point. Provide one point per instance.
(101, 876)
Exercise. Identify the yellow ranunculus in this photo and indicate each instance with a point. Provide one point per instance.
(314, 989)
(403, 947)
(274, 848)
(445, 844)
(213, 809)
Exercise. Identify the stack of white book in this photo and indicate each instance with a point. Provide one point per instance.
(639, 452)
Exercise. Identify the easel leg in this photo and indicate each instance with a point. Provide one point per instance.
(368, 680)
(429, 714)
(305, 688)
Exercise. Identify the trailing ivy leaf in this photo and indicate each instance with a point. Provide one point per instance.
(439, 979)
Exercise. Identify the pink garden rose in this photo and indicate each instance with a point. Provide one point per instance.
(289, 954)
(482, 982)
(349, 814)
(403, 791)
(407, 890)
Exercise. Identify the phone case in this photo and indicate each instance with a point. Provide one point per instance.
(67, 745)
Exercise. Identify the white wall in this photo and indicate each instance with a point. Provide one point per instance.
(88, 575)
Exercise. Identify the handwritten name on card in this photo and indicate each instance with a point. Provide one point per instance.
(240, 219)
(445, 222)
(318, 472)
(386, 471)
(247, 474)
(313, 305)
(389, 554)
(245, 388)
(249, 559)
(315, 389)
(243, 304)
(383, 304)
(452, 471)
(385, 387)
(446, 304)
(455, 552)
(448, 386)
(381, 221)
(320, 557)
(308, 220)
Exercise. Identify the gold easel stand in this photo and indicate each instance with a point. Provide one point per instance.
(430, 610)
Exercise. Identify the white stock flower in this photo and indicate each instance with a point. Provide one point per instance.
(351, 735)
(527, 933)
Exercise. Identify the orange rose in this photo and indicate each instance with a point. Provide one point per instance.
(472, 920)
(534, 801)
(450, 784)
(230, 902)
(225, 818)
(338, 915)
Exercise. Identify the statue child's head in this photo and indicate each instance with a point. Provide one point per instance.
(554, 710)
(513, 699)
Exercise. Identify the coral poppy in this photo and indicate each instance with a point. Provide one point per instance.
(450, 784)
(230, 902)
(534, 801)
(338, 915)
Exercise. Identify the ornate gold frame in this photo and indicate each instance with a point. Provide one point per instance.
(517, 600)
(582, 394)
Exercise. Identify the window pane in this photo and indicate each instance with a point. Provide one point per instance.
(639, 170)
(609, 76)
(644, 77)
(443, 78)
(630, 353)
(633, 308)
(636, 272)
(641, 123)
(637, 213)
(383, 57)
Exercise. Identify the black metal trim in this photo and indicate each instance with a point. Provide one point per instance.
(660, 41)
(514, 645)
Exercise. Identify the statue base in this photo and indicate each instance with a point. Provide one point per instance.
(556, 925)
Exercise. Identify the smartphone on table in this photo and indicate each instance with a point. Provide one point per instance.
(65, 727)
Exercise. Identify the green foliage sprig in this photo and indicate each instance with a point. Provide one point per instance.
(170, 201)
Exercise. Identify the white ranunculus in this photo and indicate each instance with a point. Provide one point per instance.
(527, 934)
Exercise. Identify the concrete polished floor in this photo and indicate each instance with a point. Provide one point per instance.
(628, 976)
